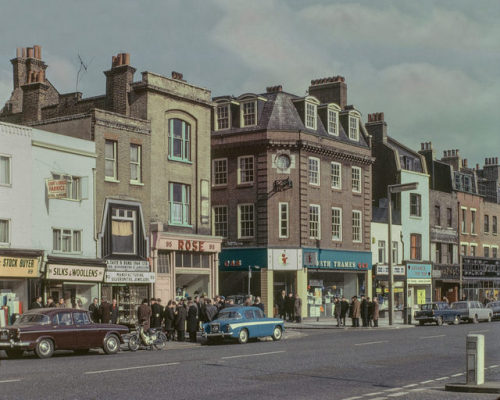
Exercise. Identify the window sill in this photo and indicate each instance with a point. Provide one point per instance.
(4, 244)
(415, 217)
(179, 160)
(180, 225)
(335, 189)
(473, 234)
(315, 185)
(112, 180)
(216, 187)
(9, 185)
(136, 183)
(282, 238)
(357, 193)
(69, 253)
(244, 185)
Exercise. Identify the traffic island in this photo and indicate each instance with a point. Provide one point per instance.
(487, 387)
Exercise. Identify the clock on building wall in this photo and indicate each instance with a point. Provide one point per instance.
(283, 161)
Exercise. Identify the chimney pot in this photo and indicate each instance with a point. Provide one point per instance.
(24, 52)
(30, 52)
(35, 49)
(19, 52)
(127, 58)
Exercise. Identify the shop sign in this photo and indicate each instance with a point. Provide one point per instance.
(242, 259)
(129, 277)
(419, 271)
(310, 259)
(18, 267)
(416, 281)
(127, 265)
(483, 268)
(316, 282)
(75, 273)
(202, 246)
(338, 260)
(396, 270)
(284, 259)
(56, 188)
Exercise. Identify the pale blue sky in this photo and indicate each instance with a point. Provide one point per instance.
(433, 67)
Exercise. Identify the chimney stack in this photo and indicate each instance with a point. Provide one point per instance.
(178, 76)
(377, 127)
(330, 90)
(118, 80)
(274, 89)
(452, 157)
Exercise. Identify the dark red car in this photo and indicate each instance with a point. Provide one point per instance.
(45, 330)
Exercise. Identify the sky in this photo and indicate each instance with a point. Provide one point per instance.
(433, 67)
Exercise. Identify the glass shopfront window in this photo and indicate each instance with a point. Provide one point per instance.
(128, 298)
(75, 294)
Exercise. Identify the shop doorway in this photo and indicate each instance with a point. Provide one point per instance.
(191, 285)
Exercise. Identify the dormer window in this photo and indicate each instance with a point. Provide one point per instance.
(249, 113)
(311, 116)
(353, 128)
(333, 122)
(223, 116)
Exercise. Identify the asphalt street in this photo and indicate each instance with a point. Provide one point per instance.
(354, 364)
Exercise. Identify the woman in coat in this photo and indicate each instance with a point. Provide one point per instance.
(192, 321)
(180, 321)
(168, 317)
(297, 308)
(375, 312)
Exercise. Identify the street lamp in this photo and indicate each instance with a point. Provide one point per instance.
(398, 188)
(250, 276)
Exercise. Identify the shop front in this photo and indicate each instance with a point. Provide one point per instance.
(481, 278)
(19, 282)
(335, 273)
(77, 281)
(418, 285)
(129, 283)
(381, 286)
(186, 265)
(446, 282)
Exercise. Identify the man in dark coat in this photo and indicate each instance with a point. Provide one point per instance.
(114, 312)
(258, 303)
(192, 321)
(180, 321)
(364, 311)
(281, 304)
(289, 307)
(344, 308)
(144, 314)
(157, 313)
(94, 311)
(105, 311)
(37, 303)
(169, 317)
(50, 302)
(355, 311)
(297, 308)
(337, 310)
(210, 310)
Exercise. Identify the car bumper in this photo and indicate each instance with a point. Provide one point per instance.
(426, 319)
(217, 335)
(11, 344)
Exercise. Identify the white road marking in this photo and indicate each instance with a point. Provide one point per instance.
(442, 378)
(129, 368)
(379, 398)
(409, 386)
(397, 394)
(493, 366)
(460, 374)
(353, 398)
(392, 389)
(253, 355)
(373, 394)
(364, 344)
(431, 337)
(429, 381)
(11, 380)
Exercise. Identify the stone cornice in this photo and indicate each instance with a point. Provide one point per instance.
(140, 86)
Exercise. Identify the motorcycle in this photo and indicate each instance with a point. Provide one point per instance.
(153, 338)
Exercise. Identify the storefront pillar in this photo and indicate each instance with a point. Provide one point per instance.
(302, 288)
(266, 291)
(369, 284)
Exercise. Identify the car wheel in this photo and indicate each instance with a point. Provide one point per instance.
(134, 342)
(82, 351)
(161, 341)
(277, 333)
(421, 323)
(243, 336)
(439, 321)
(111, 344)
(44, 348)
(14, 353)
(475, 320)
(456, 321)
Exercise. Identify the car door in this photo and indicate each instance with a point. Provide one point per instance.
(265, 328)
(86, 334)
(253, 328)
(63, 330)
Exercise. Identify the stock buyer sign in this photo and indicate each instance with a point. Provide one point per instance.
(57, 188)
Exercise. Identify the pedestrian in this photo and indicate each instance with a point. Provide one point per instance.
(169, 317)
(356, 311)
(105, 311)
(192, 321)
(157, 313)
(61, 303)
(50, 302)
(297, 308)
(114, 312)
(210, 310)
(375, 312)
(364, 311)
(94, 311)
(337, 311)
(248, 301)
(180, 321)
(370, 311)
(37, 303)
(281, 304)
(144, 315)
(289, 305)
(344, 308)
(258, 303)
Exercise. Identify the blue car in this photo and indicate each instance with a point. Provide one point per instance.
(242, 323)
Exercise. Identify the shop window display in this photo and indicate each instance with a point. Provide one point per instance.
(128, 298)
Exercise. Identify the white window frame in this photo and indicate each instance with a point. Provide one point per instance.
(316, 207)
(356, 188)
(219, 174)
(73, 186)
(218, 117)
(464, 246)
(114, 160)
(240, 170)
(314, 176)
(486, 246)
(473, 245)
(218, 221)
(63, 233)
(240, 221)
(394, 250)
(463, 220)
(128, 215)
(336, 224)
(494, 251)
(333, 122)
(8, 222)
(137, 165)
(473, 225)
(381, 247)
(336, 179)
(311, 115)
(283, 219)
(418, 204)
(8, 157)
(354, 128)
(244, 113)
(357, 231)
(185, 204)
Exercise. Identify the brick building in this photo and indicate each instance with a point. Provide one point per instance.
(291, 190)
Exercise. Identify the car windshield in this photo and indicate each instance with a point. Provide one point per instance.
(32, 319)
(229, 315)
(459, 306)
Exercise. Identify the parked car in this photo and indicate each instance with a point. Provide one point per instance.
(472, 311)
(242, 323)
(45, 330)
(494, 306)
(437, 312)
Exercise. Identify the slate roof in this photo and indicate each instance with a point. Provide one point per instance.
(405, 151)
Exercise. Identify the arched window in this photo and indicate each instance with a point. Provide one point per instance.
(179, 140)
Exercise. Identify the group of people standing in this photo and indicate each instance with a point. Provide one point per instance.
(289, 307)
(367, 309)
(104, 313)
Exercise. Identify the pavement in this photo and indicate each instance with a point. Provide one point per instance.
(338, 364)
(331, 323)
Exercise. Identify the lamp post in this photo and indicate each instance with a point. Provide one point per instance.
(398, 188)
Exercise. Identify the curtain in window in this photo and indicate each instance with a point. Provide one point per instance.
(122, 236)
(4, 231)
